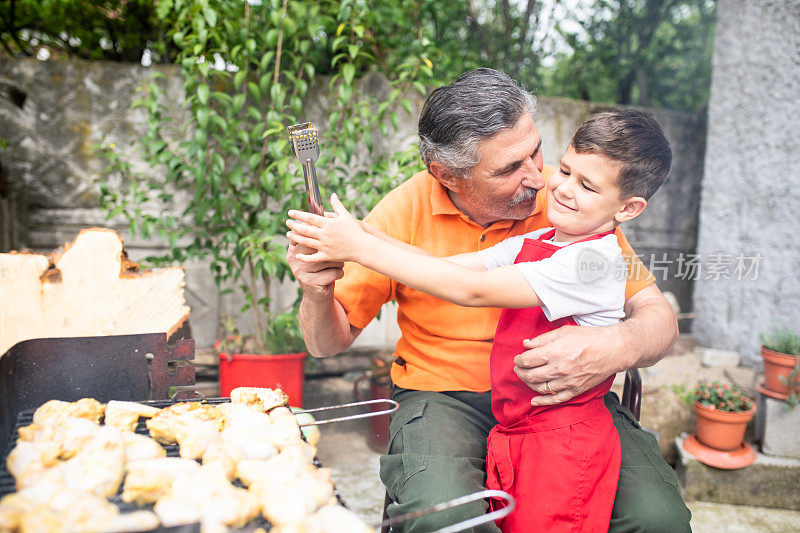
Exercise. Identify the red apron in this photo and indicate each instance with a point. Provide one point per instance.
(561, 463)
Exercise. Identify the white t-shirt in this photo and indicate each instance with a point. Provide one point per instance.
(585, 280)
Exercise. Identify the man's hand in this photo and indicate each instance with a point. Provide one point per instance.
(315, 279)
(572, 359)
(335, 237)
(566, 361)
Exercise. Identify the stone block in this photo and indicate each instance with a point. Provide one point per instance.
(768, 482)
(779, 427)
(712, 357)
(744, 378)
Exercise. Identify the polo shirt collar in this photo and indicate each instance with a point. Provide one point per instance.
(441, 204)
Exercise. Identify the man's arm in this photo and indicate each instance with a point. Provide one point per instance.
(324, 323)
(343, 238)
(574, 359)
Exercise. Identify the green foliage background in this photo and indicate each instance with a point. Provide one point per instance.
(644, 52)
(248, 66)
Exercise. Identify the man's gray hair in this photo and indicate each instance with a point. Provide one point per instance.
(457, 117)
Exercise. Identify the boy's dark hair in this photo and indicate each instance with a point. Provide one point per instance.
(635, 140)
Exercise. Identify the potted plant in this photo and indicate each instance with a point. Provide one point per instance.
(243, 363)
(780, 350)
(224, 175)
(723, 412)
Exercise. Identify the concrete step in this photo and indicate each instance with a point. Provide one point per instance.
(709, 517)
(768, 482)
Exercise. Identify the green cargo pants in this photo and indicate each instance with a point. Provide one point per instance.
(437, 452)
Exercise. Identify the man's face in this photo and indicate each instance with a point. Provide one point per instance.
(503, 184)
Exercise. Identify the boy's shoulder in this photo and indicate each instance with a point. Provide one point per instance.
(535, 234)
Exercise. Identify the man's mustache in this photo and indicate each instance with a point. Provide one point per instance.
(528, 195)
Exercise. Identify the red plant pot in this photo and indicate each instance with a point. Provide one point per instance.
(283, 372)
(776, 366)
(379, 388)
(721, 430)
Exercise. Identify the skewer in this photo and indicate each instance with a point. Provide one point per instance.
(392, 409)
(455, 502)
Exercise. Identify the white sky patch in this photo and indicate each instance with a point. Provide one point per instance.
(563, 13)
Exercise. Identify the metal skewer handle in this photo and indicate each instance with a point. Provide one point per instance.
(456, 502)
(394, 405)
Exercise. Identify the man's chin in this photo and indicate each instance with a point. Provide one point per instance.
(522, 210)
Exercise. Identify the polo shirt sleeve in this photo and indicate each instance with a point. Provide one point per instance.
(585, 280)
(638, 275)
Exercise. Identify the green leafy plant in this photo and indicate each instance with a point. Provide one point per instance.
(785, 341)
(220, 187)
(715, 395)
(781, 340)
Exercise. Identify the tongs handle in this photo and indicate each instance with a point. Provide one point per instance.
(456, 502)
(312, 188)
(394, 405)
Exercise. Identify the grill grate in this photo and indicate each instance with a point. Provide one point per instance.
(25, 418)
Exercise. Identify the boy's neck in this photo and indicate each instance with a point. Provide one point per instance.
(561, 236)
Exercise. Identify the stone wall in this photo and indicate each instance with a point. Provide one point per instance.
(74, 105)
(750, 197)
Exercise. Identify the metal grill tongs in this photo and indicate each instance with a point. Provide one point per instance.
(456, 502)
(394, 405)
(304, 138)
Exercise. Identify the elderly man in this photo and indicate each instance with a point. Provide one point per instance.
(484, 164)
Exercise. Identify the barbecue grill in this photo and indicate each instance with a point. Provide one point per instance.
(112, 367)
(132, 367)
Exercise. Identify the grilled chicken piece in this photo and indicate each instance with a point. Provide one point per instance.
(175, 511)
(208, 497)
(284, 467)
(48, 506)
(95, 454)
(14, 506)
(328, 519)
(151, 479)
(139, 447)
(54, 410)
(262, 399)
(132, 522)
(226, 454)
(67, 434)
(247, 428)
(285, 504)
(286, 431)
(99, 466)
(27, 461)
(125, 415)
(192, 425)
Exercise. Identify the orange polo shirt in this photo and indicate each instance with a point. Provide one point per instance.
(445, 346)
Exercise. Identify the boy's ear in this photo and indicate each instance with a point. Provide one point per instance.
(445, 176)
(631, 209)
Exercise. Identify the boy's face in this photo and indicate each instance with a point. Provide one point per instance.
(583, 195)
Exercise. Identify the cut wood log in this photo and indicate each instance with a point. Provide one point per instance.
(86, 288)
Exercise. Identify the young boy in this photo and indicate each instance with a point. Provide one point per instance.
(561, 463)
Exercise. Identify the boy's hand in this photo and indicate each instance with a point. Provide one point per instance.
(336, 237)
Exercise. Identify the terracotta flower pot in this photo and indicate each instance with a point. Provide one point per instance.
(776, 366)
(721, 430)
